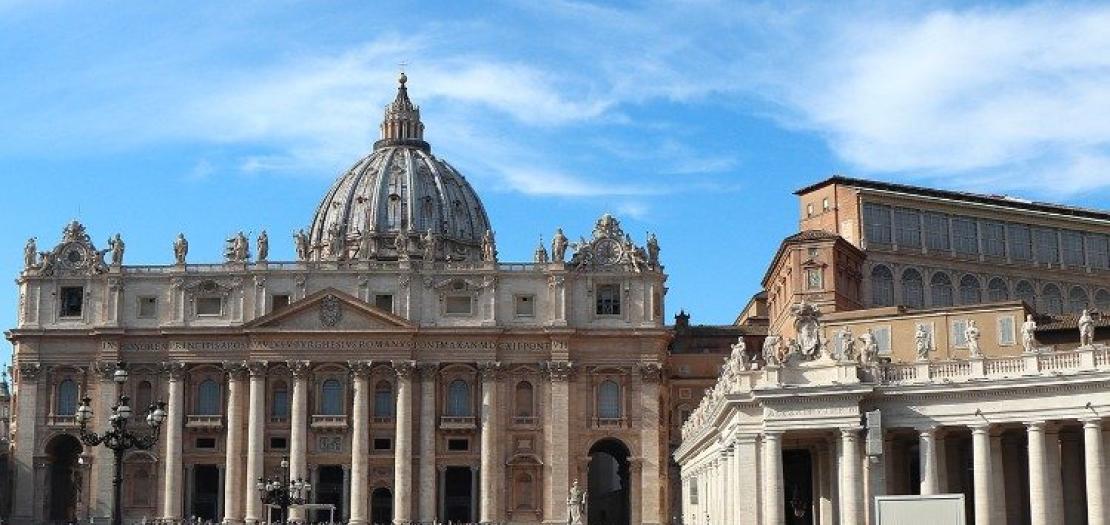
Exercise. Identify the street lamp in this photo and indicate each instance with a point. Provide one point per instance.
(119, 438)
(283, 492)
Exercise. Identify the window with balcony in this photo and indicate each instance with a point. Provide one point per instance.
(144, 396)
(458, 399)
(279, 407)
(331, 398)
(609, 400)
(383, 401)
(524, 404)
(66, 404)
(208, 398)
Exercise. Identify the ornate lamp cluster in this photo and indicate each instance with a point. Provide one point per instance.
(283, 492)
(119, 438)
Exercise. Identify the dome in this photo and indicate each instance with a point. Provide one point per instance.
(400, 189)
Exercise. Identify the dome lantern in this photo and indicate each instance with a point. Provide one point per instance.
(401, 125)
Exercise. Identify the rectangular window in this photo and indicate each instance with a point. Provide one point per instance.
(525, 306)
(210, 306)
(71, 301)
(206, 443)
(907, 227)
(882, 339)
(458, 304)
(965, 239)
(936, 231)
(384, 301)
(279, 302)
(148, 307)
(1047, 248)
(608, 299)
(1073, 248)
(281, 404)
(1006, 330)
(825, 204)
(383, 444)
(278, 443)
(814, 279)
(994, 238)
(458, 445)
(876, 222)
(694, 492)
(1098, 250)
(959, 339)
(1021, 243)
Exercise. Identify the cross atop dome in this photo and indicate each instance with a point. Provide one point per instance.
(401, 125)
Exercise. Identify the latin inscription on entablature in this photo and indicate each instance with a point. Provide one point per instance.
(809, 412)
(340, 345)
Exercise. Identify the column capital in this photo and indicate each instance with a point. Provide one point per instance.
(849, 432)
(560, 371)
(360, 369)
(234, 369)
(173, 370)
(927, 430)
(490, 370)
(1033, 426)
(428, 371)
(745, 439)
(1092, 422)
(651, 372)
(299, 369)
(104, 370)
(773, 434)
(404, 368)
(258, 368)
(981, 427)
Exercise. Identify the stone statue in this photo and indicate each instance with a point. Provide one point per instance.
(1086, 329)
(772, 353)
(368, 245)
(558, 246)
(337, 245)
(116, 246)
(489, 251)
(847, 346)
(1028, 334)
(653, 250)
(180, 249)
(30, 253)
(808, 327)
(263, 246)
(300, 242)
(739, 350)
(540, 255)
(429, 240)
(238, 248)
(971, 333)
(868, 348)
(401, 244)
(921, 343)
(576, 505)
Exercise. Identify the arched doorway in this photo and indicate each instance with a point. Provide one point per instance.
(381, 506)
(64, 478)
(608, 484)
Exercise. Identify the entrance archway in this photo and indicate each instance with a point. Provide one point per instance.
(381, 506)
(64, 478)
(608, 484)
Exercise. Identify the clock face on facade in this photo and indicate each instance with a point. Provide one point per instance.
(73, 255)
(607, 251)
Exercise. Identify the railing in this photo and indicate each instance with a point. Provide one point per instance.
(210, 422)
(610, 422)
(61, 421)
(1102, 357)
(279, 420)
(456, 422)
(1004, 366)
(329, 422)
(1059, 361)
(325, 265)
(382, 420)
(524, 421)
(897, 373)
(949, 370)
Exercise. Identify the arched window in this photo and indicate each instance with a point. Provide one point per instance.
(1077, 300)
(609, 400)
(208, 398)
(524, 399)
(524, 491)
(1023, 291)
(913, 289)
(67, 398)
(970, 292)
(1102, 301)
(1052, 300)
(280, 400)
(996, 290)
(383, 399)
(458, 399)
(144, 396)
(331, 398)
(882, 286)
(941, 288)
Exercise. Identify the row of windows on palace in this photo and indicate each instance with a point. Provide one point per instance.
(72, 301)
(971, 236)
(331, 401)
(942, 292)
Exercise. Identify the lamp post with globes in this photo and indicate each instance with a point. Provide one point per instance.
(119, 438)
(283, 492)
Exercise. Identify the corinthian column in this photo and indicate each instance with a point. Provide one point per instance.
(1095, 471)
(256, 430)
(981, 458)
(402, 457)
(930, 480)
(556, 438)
(488, 503)
(298, 442)
(1038, 507)
(850, 478)
(652, 507)
(233, 462)
(360, 442)
(428, 442)
(175, 422)
(772, 468)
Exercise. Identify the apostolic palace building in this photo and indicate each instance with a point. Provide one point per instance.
(906, 341)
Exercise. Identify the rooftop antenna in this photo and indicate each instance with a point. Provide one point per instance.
(401, 65)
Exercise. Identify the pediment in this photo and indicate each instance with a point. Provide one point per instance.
(329, 310)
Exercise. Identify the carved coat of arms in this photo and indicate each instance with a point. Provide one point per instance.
(331, 311)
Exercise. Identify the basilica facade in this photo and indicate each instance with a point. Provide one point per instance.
(406, 372)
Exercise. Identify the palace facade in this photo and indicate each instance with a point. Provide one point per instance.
(405, 371)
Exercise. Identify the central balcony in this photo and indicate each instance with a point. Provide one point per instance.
(457, 423)
(204, 422)
(329, 423)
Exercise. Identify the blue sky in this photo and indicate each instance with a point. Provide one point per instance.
(692, 119)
